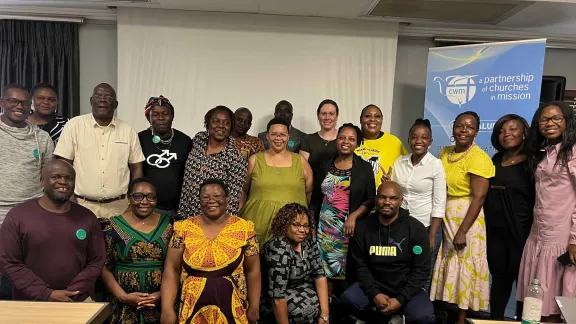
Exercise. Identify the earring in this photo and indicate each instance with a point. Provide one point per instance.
(452, 139)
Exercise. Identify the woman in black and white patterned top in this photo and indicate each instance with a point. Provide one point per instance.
(297, 289)
(213, 155)
(45, 100)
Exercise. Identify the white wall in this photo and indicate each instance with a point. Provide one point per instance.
(200, 60)
(98, 63)
(98, 58)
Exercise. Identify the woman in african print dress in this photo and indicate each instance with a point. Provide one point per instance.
(136, 244)
(348, 192)
(215, 257)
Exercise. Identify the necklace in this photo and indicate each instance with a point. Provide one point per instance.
(462, 155)
(156, 139)
(144, 222)
(274, 164)
(511, 159)
(325, 140)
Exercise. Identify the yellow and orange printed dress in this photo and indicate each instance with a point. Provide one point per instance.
(213, 281)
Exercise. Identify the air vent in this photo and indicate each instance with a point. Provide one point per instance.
(474, 11)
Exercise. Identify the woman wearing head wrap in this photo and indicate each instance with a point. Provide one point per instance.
(166, 150)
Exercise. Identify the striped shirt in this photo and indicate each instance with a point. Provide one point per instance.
(54, 127)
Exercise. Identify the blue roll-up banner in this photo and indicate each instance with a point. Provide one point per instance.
(491, 79)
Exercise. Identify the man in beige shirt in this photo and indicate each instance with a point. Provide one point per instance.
(105, 152)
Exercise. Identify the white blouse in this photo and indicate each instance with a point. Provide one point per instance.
(423, 186)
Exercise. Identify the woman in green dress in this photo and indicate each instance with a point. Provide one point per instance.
(136, 246)
(275, 177)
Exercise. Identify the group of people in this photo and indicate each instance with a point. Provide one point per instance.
(226, 227)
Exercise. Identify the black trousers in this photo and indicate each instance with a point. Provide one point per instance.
(504, 253)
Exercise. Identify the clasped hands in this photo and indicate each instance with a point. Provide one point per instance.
(386, 304)
(141, 300)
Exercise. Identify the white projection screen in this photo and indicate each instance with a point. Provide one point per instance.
(201, 60)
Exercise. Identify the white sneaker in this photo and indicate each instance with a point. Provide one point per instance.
(397, 319)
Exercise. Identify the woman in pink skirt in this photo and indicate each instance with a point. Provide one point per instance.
(553, 233)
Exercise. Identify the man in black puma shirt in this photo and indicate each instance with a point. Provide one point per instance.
(166, 150)
(391, 251)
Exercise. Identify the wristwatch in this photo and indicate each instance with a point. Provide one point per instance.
(324, 318)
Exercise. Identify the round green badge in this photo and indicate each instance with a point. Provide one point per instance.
(417, 249)
(36, 153)
(290, 143)
(155, 139)
(81, 234)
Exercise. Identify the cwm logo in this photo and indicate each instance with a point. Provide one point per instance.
(459, 89)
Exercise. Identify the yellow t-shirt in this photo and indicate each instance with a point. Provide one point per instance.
(384, 151)
(476, 162)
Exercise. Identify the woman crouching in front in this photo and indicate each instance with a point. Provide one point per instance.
(297, 289)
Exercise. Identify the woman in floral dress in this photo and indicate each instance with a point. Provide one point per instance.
(348, 192)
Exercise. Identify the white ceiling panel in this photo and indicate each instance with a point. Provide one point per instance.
(320, 8)
(545, 17)
(250, 6)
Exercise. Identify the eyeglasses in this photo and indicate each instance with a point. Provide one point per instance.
(13, 102)
(138, 197)
(278, 135)
(104, 98)
(49, 99)
(206, 199)
(305, 227)
(556, 119)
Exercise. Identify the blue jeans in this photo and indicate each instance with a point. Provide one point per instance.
(437, 243)
(419, 310)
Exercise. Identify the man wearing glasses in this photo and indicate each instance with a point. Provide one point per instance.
(24, 149)
(105, 152)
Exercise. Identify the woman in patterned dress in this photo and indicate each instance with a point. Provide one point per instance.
(215, 257)
(461, 270)
(297, 289)
(348, 192)
(136, 244)
(213, 156)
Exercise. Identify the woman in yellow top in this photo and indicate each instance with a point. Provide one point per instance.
(214, 258)
(461, 271)
(379, 148)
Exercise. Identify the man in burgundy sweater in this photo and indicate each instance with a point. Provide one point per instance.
(52, 249)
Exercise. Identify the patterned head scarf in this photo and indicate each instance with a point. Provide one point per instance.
(157, 101)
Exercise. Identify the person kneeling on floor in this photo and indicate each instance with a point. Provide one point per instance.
(392, 256)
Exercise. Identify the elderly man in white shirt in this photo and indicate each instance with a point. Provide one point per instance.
(423, 181)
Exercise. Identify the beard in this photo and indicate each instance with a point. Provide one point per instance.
(57, 198)
(388, 214)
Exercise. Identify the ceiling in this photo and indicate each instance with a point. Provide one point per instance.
(543, 16)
